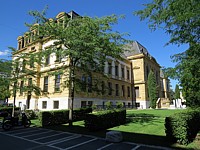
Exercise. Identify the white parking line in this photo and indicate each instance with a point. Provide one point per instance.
(64, 139)
(35, 134)
(135, 147)
(47, 136)
(105, 146)
(81, 144)
(151, 146)
(25, 132)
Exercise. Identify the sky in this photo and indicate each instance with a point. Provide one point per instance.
(14, 15)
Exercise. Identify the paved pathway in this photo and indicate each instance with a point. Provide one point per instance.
(45, 139)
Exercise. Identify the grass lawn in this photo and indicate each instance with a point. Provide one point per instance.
(143, 126)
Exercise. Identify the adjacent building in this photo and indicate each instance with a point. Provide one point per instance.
(127, 82)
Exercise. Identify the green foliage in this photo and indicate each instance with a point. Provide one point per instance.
(183, 127)
(108, 105)
(8, 109)
(181, 21)
(58, 117)
(31, 114)
(83, 41)
(152, 89)
(177, 92)
(5, 71)
(119, 105)
(105, 119)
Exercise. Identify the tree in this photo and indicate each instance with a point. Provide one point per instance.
(177, 92)
(5, 71)
(182, 22)
(152, 89)
(83, 43)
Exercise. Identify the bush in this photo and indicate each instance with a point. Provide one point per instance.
(105, 119)
(108, 105)
(120, 105)
(31, 114)
(57, 117)
(183, 127)
(8, 109)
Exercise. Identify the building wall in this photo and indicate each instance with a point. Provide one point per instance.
(129, 74)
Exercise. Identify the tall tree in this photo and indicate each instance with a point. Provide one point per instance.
(152, 89)
(20, 73)
(181, 20)
(177, 92)
(84, 43)
(5, 71)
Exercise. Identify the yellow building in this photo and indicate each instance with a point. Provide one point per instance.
(127, 82)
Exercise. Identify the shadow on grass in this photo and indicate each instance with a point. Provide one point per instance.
(127, 136)
(142, 118)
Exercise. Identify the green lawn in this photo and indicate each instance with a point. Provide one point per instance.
(143, 126)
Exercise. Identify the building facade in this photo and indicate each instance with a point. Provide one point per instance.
(126, 80)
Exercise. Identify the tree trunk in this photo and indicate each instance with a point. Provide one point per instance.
(71, 104)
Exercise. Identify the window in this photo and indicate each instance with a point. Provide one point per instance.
(89, 80)
(102, 87)
(128, 75)
(57, 82)
(123, 92)
(83, 84)
(122, 69)
(137, 92)
(44, 104)
(20, 104)
(33, 48)
(109, 68)
(109, 88)
(117, 89)
(21, 87)
(55, 104)
(58, 56)
(116, 70)
(90, 103)
(47, 60)
(30, 82)
(23, 65)
(137, 104)
(45, 88)
(129, 92)
(83, 104)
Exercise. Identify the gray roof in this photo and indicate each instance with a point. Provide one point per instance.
(135, 48)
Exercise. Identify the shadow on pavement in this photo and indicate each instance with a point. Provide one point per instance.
(138, 138)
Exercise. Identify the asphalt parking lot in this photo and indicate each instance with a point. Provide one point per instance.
(45, 139)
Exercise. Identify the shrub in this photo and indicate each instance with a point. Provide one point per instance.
(108, 105)
(183, 127)
(80, 114)
(31, 114)
(8, 109)
(57, 117)
(120, 105)
(105, 119)
(48, 118)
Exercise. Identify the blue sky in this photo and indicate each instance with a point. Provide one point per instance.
(14, 14)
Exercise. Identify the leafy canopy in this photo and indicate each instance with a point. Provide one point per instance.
(181, 20)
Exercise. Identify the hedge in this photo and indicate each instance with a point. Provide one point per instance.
(105, 119)
(57, 117)
(8, 109)
(183, 127)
